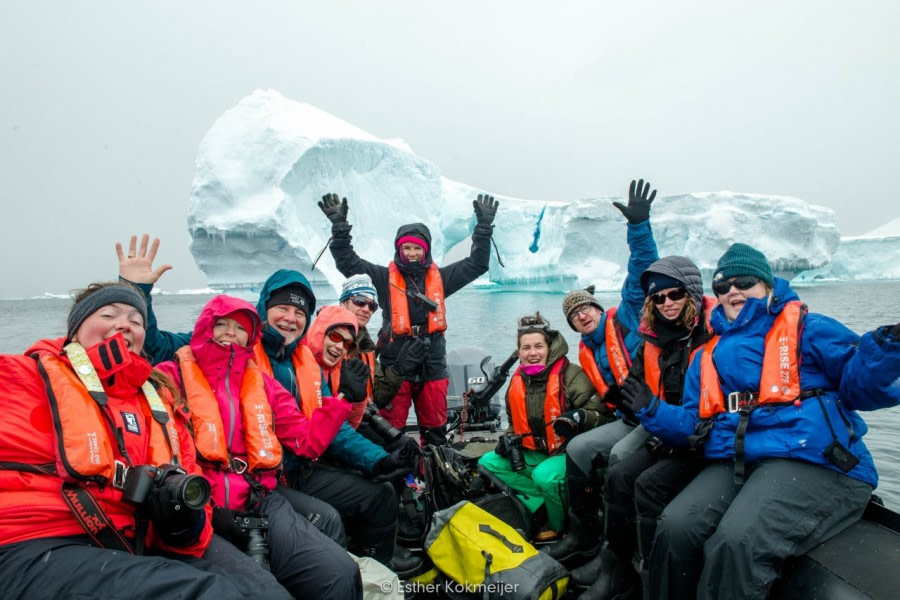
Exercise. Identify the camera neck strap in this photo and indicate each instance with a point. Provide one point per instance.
(94, 520)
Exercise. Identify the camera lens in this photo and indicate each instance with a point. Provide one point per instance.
(190, 490)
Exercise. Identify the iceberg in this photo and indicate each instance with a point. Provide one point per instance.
(868, 257)
(265, 163)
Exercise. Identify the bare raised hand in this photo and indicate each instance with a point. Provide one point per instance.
(137, 265)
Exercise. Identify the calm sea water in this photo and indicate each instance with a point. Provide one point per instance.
(484, 322)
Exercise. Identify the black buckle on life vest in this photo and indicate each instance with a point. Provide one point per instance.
(238, 465)
(418, 330)
(120, 475)
(742, 402)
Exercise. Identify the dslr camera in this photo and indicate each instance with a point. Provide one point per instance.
(514, 452)
(187, 492)
(380, 425)
(255, 528)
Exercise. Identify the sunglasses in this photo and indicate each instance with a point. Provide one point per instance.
(360, 302)
(673, 295)
(336, 337)
(742, 283)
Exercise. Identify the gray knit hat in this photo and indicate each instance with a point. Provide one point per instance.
(741, 259)
(109, 294)
(576, 299)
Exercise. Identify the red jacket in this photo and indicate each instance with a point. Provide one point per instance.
(31, 505)
(224, 367)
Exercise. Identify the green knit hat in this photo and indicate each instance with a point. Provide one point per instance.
(741, 259)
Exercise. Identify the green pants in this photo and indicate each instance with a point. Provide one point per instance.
(542, 481)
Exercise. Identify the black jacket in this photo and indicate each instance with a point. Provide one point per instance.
(455, 276)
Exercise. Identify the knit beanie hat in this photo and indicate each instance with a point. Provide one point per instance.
(741, 259)
(413, 238)
(293, 295)
(358, 285)
(654, 282)
(111, 294)
(576, 299)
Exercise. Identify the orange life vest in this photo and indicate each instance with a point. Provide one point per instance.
(554, 405)
(619, 359)
(780, 378)
(84, 446)
(434, 289)
(263, 448)
(652, 352)
(306, 371)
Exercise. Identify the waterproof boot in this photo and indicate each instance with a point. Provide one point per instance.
(583, 537)
(587, 574)
(433, 436)
(378, 543)
(617, 580)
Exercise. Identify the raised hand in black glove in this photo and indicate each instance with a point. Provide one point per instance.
(225, 523)
(354, 380)
(636, 394)
(411, 356)
(485, 209)
(570, 423)
(334, 208)
(639, 201)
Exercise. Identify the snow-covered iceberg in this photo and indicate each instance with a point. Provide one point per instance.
(872, 256)
(265, 164)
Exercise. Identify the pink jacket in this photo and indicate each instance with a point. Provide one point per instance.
(224, 368)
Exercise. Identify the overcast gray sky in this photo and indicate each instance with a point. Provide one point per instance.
(104, 105)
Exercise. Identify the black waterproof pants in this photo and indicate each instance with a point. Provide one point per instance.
(303, 559)
(726, 541)
(70, 569)
(322, 515)
(360, 502)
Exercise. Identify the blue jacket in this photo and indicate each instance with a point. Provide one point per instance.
(349, 446)
(643, 253)
(852, 372)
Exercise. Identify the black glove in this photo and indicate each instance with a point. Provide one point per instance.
(502, 448)
(334, 208)
(639, 201)
(403, 460)
(354, 380)
(570, 423)
(411, 356)
(895, 331)
(485, 209)
(179, 527)
(636, 395)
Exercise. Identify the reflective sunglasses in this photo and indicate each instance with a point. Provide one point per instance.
(335, 336)
(360, 302)
(742, 283)
(673, 295)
